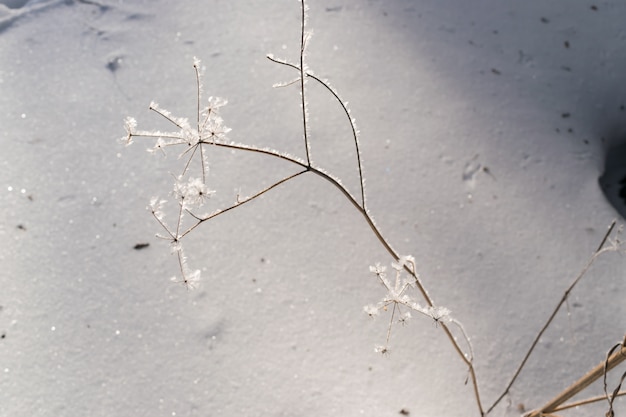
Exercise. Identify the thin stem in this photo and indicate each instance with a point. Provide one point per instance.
(163, 225)
(466, 337)
(289, 64)
(167, 136)
(242, 147)
(468, 363)
(198, 84)
(180, 218)
(393, 313)
(181, 263)
(590, 262)
(354, 135)
(165, 116)
(302, 94)
(240, 203)
(195, 148)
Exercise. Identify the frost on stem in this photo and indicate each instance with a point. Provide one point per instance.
(190, 195)
(344, 105)
(399, 298)
(130, 124)
(190, 278)
(156, 208)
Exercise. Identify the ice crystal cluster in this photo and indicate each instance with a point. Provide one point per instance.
(190, 192)
(399, 297)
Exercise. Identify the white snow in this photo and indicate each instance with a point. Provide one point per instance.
(484, 128)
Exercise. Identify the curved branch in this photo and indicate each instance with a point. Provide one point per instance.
(347, 113)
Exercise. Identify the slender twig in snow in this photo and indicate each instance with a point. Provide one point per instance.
(239, 203)
(600, 250)
(302, 96)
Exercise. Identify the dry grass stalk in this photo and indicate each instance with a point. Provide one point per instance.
(593, 375)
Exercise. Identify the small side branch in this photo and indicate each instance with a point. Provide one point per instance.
(355, 135)
(239, 203)
(196, 67)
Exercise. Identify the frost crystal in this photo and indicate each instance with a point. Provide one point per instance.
(439, 313)
(156, 204)
(130, 124)
(399, 297)
(190, 279)
(404, 262)
(193, 192)
(215, 103)
(371, 310)
(155, 207)
(378, 269)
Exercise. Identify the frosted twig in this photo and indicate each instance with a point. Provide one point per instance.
(193, 150)
(155, 210)
(196, 67)
(239, 203)
(611, 397)
(343, 104)
(166, 114)
(302, 92)
(355, 133)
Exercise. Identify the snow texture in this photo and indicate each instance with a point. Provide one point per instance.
(484, 132)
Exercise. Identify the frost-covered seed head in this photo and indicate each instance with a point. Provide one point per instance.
(130, 124)
(371, 310)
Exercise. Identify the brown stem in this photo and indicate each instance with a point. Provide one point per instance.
(586, 401)
(597, 372)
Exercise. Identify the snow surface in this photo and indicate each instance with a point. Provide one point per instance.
(485, 126)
